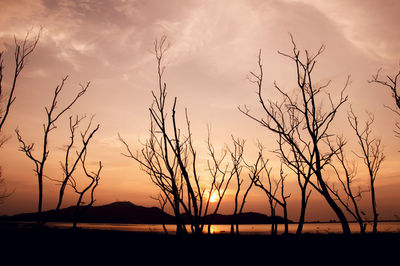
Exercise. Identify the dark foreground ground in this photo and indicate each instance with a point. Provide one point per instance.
(81, 246)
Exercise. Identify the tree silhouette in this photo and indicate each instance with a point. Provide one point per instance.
(91, 186)
(69, 166)
(302, 124)
(221, 178)
(349, 170)
(23, 49)
(170, 159)
(303, 174)
(271, 187)
(162, 201)
(40, 160)
(371, 155)
(371, 150)
(238, 164)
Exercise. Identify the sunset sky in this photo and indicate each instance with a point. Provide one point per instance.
(214, 45)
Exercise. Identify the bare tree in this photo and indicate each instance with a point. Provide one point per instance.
(23, 49)
(390, 82)
(162, 201)
(69, 166)
(169, 158)
(238, 164)
(40, 160)
(301, 123)
(371, 154)
(220, 180)
(294, 162)
(91, 186)
(271, 189)
(350, 199)
(155, 156)
(284, 197)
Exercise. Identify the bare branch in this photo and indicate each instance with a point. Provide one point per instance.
(301, 124)
(40, 160)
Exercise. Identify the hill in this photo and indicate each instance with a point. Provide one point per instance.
(127, 212)
(117, 212)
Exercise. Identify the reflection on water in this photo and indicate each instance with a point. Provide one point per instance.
(263, 229)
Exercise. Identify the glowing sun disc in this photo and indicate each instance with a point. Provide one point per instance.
(214, 197)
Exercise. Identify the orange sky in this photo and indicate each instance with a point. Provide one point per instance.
(214, 44)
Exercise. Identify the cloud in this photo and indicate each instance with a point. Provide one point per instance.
(214, 44)
(35, 73)
(371, 26)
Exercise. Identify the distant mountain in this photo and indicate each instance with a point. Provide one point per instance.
(127, 212)
(117, 212)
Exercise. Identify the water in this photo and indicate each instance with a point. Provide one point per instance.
(262, 229)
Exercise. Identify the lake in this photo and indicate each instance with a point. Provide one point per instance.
(262, 229)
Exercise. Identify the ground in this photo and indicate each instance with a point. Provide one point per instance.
(82, 246)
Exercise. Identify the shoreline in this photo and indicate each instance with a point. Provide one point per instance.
(245, 229)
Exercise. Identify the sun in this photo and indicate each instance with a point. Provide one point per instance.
(214, 197)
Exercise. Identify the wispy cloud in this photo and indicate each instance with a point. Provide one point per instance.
(214, 44)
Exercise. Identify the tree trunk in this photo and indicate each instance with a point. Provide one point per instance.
(76, 213)
(40, 203)
(325, 192)
(180, 225)
(362, 227)
(375, 226)
(339, 213)
(233, 223)
(285, 216)
(61, 195)
(302, 213)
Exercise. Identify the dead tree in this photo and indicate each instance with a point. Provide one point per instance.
(284, 197)
(238, 164)
(270, 193)
(391, 83)
(170, 160)
(301, 123)
(271, 189)
(371, 155)
(350, 199)
(219, 184)
(293, 161)
(23, 49)
(70, 165)
(162, 201)
(151, 163)
(91, 186)
(237, 157)
(40, 160)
